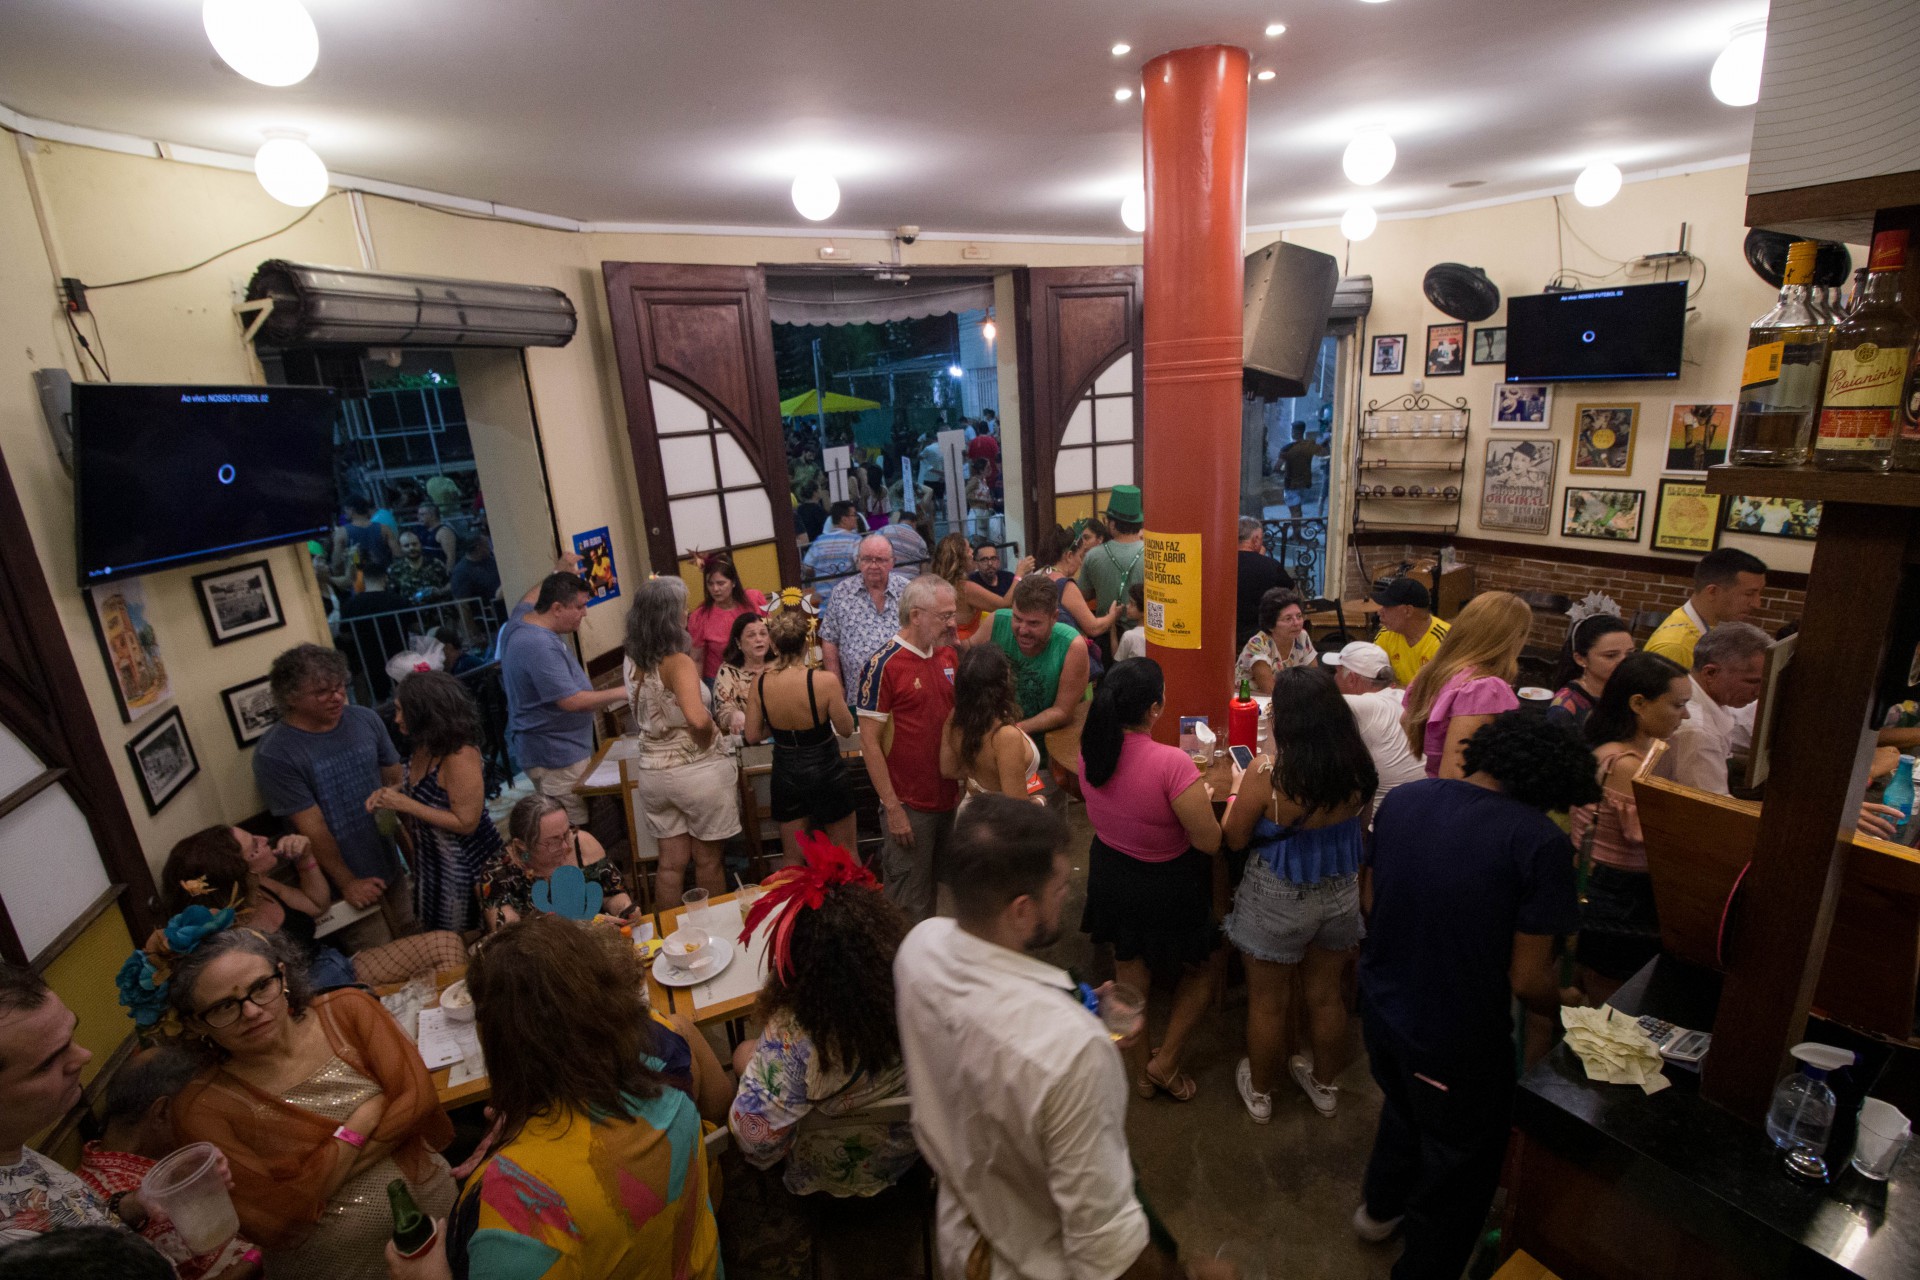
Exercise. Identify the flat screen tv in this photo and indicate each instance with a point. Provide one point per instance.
(1627, 334)
(166, 476)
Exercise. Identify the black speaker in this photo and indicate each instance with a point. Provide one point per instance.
(1289, 294)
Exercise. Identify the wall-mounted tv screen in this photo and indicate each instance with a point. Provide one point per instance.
(166, 476)
(1626, 334)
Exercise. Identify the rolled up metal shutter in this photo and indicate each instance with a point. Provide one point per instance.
(335, 306)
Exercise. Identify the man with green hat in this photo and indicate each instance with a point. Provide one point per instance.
(1117, 563)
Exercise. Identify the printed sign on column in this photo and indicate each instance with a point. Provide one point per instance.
(1173, 589)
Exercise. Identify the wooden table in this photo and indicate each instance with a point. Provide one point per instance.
(450, 1095)
(680, 999)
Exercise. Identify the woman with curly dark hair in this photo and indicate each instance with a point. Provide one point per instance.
(1281, 642)
(442, 799)
(830, 1040)
(982, 743)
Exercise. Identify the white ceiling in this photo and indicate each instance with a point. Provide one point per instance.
(981, 116)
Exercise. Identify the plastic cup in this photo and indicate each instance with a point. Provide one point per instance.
(695, 903)
(1121, 1009)
(188, 1189)
(748, 895)
(1882, 1137)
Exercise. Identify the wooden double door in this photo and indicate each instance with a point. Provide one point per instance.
(694, 347)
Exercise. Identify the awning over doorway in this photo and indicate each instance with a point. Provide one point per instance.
(838, 299)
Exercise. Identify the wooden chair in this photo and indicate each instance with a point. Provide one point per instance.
(757, 827)
(643, 852)
(1645, 623)
(1698, 847)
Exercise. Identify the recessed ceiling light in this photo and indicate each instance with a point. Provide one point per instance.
(1122, 49)
(1358, 222)
(1121, 95)
(272, 42)
(1736, 72)
(1133, 211)
(1598, 183)
(1276, 28)
(290, 170)
(1369, 157)
(1464, 183)
(1265, 75)
(816, 195)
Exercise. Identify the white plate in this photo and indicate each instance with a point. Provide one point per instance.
(668, 973)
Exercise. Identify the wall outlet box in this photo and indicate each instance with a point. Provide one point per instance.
(973, 252)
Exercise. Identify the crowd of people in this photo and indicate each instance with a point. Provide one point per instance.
(1405, 824)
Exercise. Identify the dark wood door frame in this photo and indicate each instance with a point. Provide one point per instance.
(704, 331)
(44, 703)
(1071, 323)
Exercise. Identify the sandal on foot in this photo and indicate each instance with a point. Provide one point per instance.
(1181, 1088)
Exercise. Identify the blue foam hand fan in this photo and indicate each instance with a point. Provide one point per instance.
(566, 893)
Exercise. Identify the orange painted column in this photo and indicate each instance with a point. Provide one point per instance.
(1195, 110)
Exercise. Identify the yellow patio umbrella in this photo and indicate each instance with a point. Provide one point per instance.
(810, 401)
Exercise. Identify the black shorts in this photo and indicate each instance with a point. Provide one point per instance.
(811, 782)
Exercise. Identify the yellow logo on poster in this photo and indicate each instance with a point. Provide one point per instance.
(1173, 590)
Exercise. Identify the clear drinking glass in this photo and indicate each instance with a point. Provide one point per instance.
(695, 902)
(1121, 1008)
(1882, 1137)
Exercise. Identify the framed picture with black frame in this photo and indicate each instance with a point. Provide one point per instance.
(1686, 518)
(239, 601)
(1446, 350)
(1490, 345)
(250, 710)
(1389, 354)
(163, 760)
(1609, 515)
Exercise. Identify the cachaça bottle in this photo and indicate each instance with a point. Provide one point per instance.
(1867, 367)
(1780, 380)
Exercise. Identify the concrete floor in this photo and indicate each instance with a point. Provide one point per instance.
(1276, 1198)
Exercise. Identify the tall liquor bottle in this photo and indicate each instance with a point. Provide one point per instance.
(1867, 367)
(1906, 445)
(1780, 381)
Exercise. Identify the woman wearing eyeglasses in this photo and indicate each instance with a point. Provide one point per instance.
(541, 840)
(318, 1102)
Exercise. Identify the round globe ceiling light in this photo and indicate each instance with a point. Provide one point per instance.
(1735, 78)
(1369, 157)
(1133, 210)
(1598, 183)
(291, 172)
(1358, 222)
(271, 42)
(816, 195)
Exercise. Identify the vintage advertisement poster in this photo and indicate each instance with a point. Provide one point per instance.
(595, 549)
(1517, 492)
(1173, 589)
(1686, 517)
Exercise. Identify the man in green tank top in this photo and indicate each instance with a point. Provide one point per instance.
(1049, 657)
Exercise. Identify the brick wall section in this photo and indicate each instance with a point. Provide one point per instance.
(1632, 589)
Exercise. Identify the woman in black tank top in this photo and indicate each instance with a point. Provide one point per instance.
(810, 788)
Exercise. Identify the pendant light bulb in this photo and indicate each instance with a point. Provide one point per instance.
(1598, 183)
(1735, 78)
(1358, 222)
(816, 195)
(1369, 157)
(291, 171)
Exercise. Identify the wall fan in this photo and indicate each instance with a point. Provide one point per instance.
(1766, 253)
(1464, 293)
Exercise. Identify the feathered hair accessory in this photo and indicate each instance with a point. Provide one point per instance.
(143, 979)
(791, 890)
(791, 598)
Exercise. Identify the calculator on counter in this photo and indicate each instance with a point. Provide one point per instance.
(1676, 1044)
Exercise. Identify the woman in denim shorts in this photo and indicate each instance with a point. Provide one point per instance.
(1301, 815)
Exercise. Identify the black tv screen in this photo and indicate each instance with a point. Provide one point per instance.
(167, 476)
(1626, 334)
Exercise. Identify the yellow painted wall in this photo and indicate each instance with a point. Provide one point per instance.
(1516, 245)
(82, 976)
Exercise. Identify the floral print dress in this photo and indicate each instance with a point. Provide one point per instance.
(1260, 648)
(786, 1079)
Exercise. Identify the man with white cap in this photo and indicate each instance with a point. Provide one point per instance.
(1364, 674)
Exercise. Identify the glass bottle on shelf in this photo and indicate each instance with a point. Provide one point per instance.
(1780, 380)
(1906, 445)
(1867, 367)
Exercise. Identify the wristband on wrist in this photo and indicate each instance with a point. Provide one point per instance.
(351, 1137)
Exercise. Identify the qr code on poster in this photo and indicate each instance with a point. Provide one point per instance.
(1156, 615)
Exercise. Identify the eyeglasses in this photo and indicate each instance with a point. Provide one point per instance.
(262, 995)
(338, 689)
(876, 559)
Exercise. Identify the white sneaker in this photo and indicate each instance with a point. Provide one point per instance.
(1371, 1229)
(1259, 1105)
(1325, 1097)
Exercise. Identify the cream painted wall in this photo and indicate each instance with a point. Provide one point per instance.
(1516, 245)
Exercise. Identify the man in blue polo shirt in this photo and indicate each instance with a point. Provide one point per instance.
(550, 701)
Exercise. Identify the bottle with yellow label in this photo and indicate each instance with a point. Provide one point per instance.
(1867, 367)
(1780, 380)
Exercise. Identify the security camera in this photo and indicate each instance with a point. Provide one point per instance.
(906, 235)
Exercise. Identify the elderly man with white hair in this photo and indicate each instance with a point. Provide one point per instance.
(861, 612)
(904, 698)
(1364, 675)
(1729, 665)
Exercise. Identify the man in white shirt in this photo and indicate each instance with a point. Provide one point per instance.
(1729, 663)
(1019, 1097)
(1364, 674)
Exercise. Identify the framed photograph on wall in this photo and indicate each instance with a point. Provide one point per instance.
(1522, 406)
(1446, 350)
(1389, 354)
(240, 601)
(1603, 438)
(163, 760)
(122, 624)
(1697, 436)
(250, 710)
(1517, 490)
(1773, 517)
(1610, 515)
(1686, 517)
(1490, 345)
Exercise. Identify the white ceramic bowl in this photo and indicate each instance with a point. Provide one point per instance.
(457, 1002)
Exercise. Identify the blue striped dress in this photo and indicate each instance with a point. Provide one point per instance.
(446, 864)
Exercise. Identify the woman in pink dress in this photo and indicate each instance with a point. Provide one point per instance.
(1468, 682)
(711, 625)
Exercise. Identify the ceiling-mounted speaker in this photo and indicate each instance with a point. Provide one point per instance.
(1462, 292)
(1289, 295)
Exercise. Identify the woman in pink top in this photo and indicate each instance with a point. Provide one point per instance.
(1150, 868)
(711, 625)
(1468, 682)
(1645, 701)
